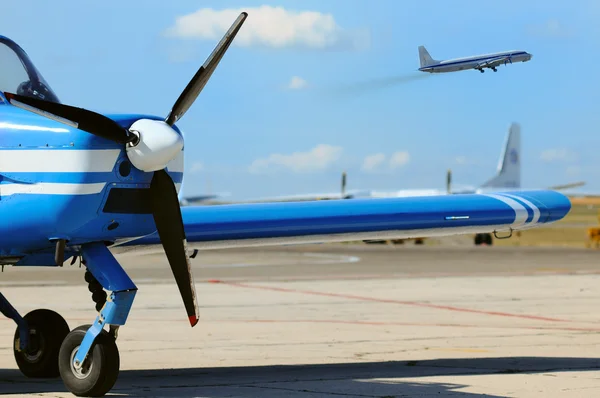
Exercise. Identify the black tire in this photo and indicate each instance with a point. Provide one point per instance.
(101, 366)
(477, 239)
(47, 330)
(488, 239)
(419, 241)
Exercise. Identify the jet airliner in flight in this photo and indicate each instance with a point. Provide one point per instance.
(479, 62)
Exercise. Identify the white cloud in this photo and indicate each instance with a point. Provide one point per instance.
(461, 160)
(197, 167)
(297, 83)
(270, 26)
(552, 28)
(372, 162)
(557, 155)
(318, 158)
(399, 159)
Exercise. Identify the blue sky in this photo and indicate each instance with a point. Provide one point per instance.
(301, 97)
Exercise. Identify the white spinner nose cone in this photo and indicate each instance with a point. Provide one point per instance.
(158, 144)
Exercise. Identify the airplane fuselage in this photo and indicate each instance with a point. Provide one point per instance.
(477, 62)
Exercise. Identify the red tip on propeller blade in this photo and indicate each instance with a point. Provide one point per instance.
(193, 320)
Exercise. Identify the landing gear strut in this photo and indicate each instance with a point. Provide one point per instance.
(89, 358)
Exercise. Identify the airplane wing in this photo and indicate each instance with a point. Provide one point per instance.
(567, 186)
(292, 198)
(196, 199)
(342, 194)
(245, 225)
(582, 194)
(493, 62)
(297, 198)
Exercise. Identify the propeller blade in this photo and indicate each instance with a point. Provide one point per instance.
(82, 119)
(195, 86)
(449, 181)
(169, 224)
(344, 185)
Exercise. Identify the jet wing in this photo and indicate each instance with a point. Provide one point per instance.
(186, 201)
(568, 186)
(262, 224)
(296, 198)
(493, 62)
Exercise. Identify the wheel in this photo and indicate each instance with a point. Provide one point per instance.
(477, 239)
(488, 239)
(100, 369)
(481, 70)
(47, 330)
(419, 241)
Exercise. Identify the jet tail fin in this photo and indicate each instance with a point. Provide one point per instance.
(425, 59)
(509, 167)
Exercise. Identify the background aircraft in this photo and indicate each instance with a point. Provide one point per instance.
(507, 177)
(185, 201)
(479, 62)
(76, 182)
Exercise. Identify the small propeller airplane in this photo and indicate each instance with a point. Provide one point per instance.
(75, 184)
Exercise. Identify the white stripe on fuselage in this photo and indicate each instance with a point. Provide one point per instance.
(51, 189)
(58, 160)
(479, 57)
(25, 127)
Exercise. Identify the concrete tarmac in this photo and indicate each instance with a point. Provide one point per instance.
(342, 320)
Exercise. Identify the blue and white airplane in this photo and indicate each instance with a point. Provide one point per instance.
(78, 184)
(478, 62)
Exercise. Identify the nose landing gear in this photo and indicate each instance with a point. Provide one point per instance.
(87, 358)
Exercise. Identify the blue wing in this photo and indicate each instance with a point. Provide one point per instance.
(241, 225)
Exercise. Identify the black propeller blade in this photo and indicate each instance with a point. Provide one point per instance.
(165, 204)
(82, 119)
(169, 224)
(195, 86)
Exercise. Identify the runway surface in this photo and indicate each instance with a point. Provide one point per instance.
(342, 320)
